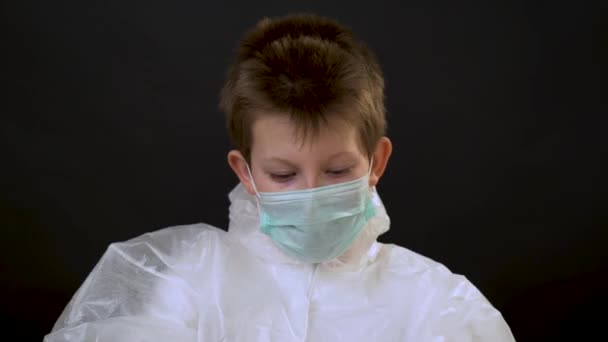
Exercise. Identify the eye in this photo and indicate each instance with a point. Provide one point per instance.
(282, 177)
(339, 172)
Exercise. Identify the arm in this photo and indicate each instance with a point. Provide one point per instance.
(466, 315)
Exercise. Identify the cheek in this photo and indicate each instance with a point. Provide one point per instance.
(265, 184)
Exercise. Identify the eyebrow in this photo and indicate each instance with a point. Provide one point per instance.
(343, 154)
(279, 160)
(346, 154)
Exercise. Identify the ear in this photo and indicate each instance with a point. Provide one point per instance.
(238, 164)
(382, 153)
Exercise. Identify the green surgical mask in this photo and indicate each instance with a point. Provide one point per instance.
(319, 224)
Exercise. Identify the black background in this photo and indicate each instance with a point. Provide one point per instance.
(110, 128)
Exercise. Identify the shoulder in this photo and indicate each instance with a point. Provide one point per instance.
(181, 232)
(171, 240)
(399, 259)
(417, 267)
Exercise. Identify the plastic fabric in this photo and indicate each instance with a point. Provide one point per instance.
(199, 283)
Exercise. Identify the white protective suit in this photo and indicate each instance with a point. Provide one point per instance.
(199, 283)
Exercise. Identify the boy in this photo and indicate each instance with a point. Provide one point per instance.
(305, 109)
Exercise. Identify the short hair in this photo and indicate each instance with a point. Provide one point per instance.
(309, 68)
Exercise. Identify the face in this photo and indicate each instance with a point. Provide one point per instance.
(280, 161)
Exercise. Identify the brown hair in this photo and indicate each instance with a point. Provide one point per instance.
(307, 67)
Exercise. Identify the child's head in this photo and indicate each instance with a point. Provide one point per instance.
(305, 106)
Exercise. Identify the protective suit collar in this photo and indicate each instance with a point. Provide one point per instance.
(244, 227)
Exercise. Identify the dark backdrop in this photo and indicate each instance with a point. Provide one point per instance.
(110, 128)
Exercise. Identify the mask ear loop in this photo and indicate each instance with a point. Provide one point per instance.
(369, 172)
(252, 181)
(257, 194)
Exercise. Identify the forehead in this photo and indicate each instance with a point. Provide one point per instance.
(273, 133)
